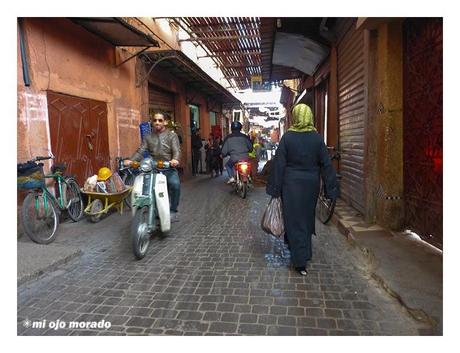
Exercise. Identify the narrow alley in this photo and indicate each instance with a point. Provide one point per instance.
(216, 273)
(345, 110)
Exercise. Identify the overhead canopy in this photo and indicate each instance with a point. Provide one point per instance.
(181, 66)
(299, 52)
(116, 31)
(294, 46)
(233, 43)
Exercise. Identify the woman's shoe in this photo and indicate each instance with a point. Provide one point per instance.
(301, 270)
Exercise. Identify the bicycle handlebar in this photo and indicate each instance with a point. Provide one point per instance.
(41, 158)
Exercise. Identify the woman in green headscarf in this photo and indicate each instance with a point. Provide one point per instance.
(300, 159)
(302, 119)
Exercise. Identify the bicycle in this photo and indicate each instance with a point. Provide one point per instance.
(127, 174)
(325, 206)
(41, 209)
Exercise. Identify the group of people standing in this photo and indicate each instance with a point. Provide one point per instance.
(206, 155)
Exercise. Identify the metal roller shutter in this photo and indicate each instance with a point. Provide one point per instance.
(160, 100)
(352, 113)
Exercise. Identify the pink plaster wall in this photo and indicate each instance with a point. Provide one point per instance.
(66, 58)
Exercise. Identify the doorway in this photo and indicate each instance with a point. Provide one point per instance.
(79, 134)
(194, 118)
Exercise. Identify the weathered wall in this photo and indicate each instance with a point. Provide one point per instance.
(388, 117)
(65, 58)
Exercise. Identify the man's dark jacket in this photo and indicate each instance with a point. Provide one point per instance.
(237, 145)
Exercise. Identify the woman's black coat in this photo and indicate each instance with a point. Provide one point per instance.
(299, 161)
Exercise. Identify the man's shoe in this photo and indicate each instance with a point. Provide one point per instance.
(174, 217)
(231, 180)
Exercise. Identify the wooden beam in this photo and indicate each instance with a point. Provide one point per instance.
(231, 66)
(230, 53)
(218, 39)
(238, 77)
(221, 25)
(226, 30)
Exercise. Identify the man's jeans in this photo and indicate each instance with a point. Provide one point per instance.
(229, 167)
(173, 180)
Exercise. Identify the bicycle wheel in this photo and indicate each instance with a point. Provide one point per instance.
(324, 207)
(39, 218)
(73, 199)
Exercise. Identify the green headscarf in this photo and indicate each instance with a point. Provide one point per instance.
(302, 119)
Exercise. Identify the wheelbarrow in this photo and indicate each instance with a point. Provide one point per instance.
(99, 203)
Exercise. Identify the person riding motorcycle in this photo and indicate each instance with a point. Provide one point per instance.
(236, 145)
(163, 144)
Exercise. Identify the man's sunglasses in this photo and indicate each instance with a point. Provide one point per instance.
(159, 120)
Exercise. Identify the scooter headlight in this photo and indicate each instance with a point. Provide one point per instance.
(146, 165)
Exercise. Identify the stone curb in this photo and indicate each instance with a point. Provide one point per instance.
(417, 314)
(36, 273)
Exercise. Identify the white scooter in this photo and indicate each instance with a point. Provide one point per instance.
(150, 204)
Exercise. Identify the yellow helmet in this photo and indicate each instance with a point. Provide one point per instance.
(104, 173)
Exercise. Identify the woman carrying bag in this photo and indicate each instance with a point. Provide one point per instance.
(300, 160)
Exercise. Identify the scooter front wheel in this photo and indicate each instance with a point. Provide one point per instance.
(140, 233)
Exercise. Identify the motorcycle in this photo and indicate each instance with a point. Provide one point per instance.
(243, 180)
(150, 204)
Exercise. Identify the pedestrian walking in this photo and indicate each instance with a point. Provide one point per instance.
(220, 160)
(214, 159)
(300, 160)
(196, 151)
(208, 153)
(203, 161)
(254, 156)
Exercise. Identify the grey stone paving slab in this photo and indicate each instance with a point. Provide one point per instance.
(217, 273)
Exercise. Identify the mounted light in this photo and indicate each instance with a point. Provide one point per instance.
(243, 167)
(146, 165)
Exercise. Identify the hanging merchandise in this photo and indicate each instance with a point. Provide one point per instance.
(145, 129)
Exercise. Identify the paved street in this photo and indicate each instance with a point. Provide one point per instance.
(217, 273)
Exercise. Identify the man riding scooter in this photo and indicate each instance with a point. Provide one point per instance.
(236, 145)
(163, 144)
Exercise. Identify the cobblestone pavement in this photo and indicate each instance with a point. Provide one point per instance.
(217, 273)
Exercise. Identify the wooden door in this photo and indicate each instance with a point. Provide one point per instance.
(79, 134)
(423, 127)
